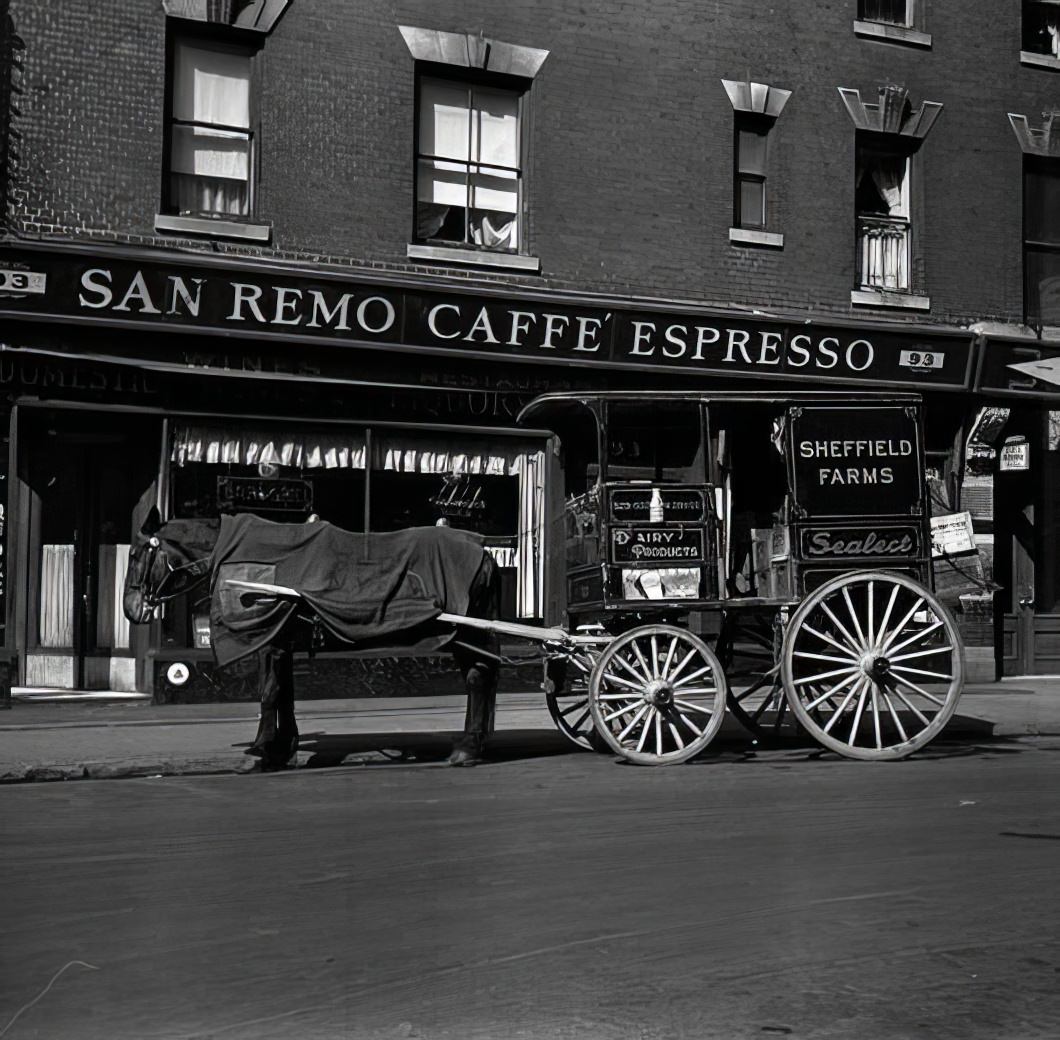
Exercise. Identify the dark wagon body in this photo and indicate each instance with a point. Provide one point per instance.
(770, 536)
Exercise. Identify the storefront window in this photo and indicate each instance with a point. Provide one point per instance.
(418, 479)
(475, 484)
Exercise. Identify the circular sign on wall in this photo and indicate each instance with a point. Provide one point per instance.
(178, 673)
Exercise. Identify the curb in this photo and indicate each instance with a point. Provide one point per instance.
(39, 773)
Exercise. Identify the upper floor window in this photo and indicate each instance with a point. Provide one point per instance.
(1041, 27)
(751, 153)
(1041, 245)
(469, 165)
(882, 200)
(211, 158)
(891, 12)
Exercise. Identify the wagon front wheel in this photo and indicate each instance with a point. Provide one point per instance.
(657, 695)
(872, 665)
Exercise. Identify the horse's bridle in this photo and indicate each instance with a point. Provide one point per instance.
(152, 599)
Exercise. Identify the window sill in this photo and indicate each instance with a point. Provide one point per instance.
(212, 228)
(1041, 61)
(474, 257)
(892, 33)
(890, 298)
(746, 237)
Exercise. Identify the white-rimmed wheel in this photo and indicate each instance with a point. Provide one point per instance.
(657, 695)
(872, 665)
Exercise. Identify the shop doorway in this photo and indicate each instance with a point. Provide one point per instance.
(1027, 554)
(82, 475)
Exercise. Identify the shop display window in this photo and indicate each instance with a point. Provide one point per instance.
(422, 478)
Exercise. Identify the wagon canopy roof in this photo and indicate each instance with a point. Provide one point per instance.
(540, 408)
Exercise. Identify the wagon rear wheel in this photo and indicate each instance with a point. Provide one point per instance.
(872, 665)
(657, 695)
(750, 647)
(567, 698)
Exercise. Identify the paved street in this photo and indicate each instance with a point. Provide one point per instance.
(558, 895)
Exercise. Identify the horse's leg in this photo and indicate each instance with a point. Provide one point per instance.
(277, 738)
(268, 696)
(286, 742)
(480, 671)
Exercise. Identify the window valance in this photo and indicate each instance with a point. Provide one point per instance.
(446, 454)
(251, 447)
(346, 450)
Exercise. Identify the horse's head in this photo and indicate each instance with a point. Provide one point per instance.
(165, 560)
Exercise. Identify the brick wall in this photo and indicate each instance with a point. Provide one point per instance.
(631, 169)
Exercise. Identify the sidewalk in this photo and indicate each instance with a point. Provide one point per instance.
(102, 739)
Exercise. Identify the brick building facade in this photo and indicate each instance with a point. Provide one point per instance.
(861, 169)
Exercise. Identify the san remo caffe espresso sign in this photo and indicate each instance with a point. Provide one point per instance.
(300, 307)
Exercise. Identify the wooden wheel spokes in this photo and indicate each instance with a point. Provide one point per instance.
(569, 707)
(750, 642)
(657, 695)
(869, 682)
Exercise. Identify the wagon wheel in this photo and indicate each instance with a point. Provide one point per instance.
(872, 665)
(567, 697)
(749, 646)
(657, 695)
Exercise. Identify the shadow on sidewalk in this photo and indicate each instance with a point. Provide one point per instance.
(380, 749)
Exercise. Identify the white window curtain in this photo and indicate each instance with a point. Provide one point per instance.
(460, 128)
(112, 626)
(249, 447)
(211, 165)
(529, 590)
(890, 174)
(884, 237)
(443, 455)
(57, 596)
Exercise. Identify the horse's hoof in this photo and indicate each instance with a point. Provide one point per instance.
(463, 757)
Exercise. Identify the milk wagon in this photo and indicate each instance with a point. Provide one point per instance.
(769, 554)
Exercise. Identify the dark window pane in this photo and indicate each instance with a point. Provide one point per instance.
(752, 152)
(1042, 202)
(1041, 28)
(474, 502)
(1042, 286)
(655, 442)
(752, 203)
(894, 12)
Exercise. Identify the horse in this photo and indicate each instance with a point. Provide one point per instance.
(364, 589)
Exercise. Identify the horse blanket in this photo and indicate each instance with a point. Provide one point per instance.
(364, 588)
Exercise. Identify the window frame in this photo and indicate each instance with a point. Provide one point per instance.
(468, 250)
(1034, 55)
(866, 293)
(233, 41)
(762, 126)
(910, 15)
(1041, 245)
